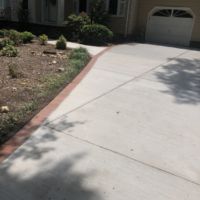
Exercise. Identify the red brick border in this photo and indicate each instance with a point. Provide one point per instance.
(22, 135)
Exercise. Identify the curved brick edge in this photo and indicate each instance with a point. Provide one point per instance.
(22, 135)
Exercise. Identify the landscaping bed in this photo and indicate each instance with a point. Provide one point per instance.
(32, 79)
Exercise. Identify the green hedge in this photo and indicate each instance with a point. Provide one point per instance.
(96, 34)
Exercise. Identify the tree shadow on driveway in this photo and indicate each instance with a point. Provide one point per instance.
(182, 77)
(36, 171)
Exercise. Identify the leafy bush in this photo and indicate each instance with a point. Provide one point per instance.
(27, 37)
(61, 43)
(43, 39)
(9, 51)
(14, 71)
(15, 36)
(4, 33)
(96, 34)
(98, 13)
(5, 42)
(79, 58)
(74, 25)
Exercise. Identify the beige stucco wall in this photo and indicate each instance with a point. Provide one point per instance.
(145, 6)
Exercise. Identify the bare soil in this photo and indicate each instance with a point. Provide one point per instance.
(35, 67)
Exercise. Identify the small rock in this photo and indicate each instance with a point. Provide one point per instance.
(54, 62)
(50, 51)
(14, 89)
(61, 69)
(23, 83)
(33, 52)
(5, 109)
(52, 56)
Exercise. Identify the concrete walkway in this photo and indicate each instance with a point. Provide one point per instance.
(129, 131)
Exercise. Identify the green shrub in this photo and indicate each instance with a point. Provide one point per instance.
(9, 51)
(14, 71)
(61, 43)
(15, 36)
(27, 37)
(43, 39)
(74, 25)
(79, 58)
(5, 42)
(96, 34)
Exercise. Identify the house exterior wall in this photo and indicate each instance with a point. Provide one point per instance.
(14, 5)
(145, 6)
(38, 11)
(68, 8)
(117, 24)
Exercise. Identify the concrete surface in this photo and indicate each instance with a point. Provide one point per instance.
(93, 50)
(130, 130)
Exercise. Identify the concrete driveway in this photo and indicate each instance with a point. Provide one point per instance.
(129, 131)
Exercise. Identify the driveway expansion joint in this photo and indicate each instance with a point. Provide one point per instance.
(125, 156)
(115, 88)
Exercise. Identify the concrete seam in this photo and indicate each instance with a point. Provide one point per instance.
(128, 157)
(113, 89)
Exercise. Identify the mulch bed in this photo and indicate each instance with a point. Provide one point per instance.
(35, 66)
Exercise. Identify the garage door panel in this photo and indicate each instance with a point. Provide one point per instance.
(169, 30)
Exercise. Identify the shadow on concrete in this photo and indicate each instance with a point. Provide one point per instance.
(62, 124)
(27, 175)
(183, 80)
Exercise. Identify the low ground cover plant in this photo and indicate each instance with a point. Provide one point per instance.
(79, 58)
(6, 42)
(9, 51)
(16, 37)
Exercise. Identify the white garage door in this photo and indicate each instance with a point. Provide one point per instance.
(170, 26)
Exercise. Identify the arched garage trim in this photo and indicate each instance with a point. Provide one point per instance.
(166, 22)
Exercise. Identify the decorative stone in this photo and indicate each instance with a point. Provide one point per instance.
(50, 51)
(61, 69)
(5, 109)
(14, 89)
(33, 52)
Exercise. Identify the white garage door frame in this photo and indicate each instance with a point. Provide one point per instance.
(155, 9)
